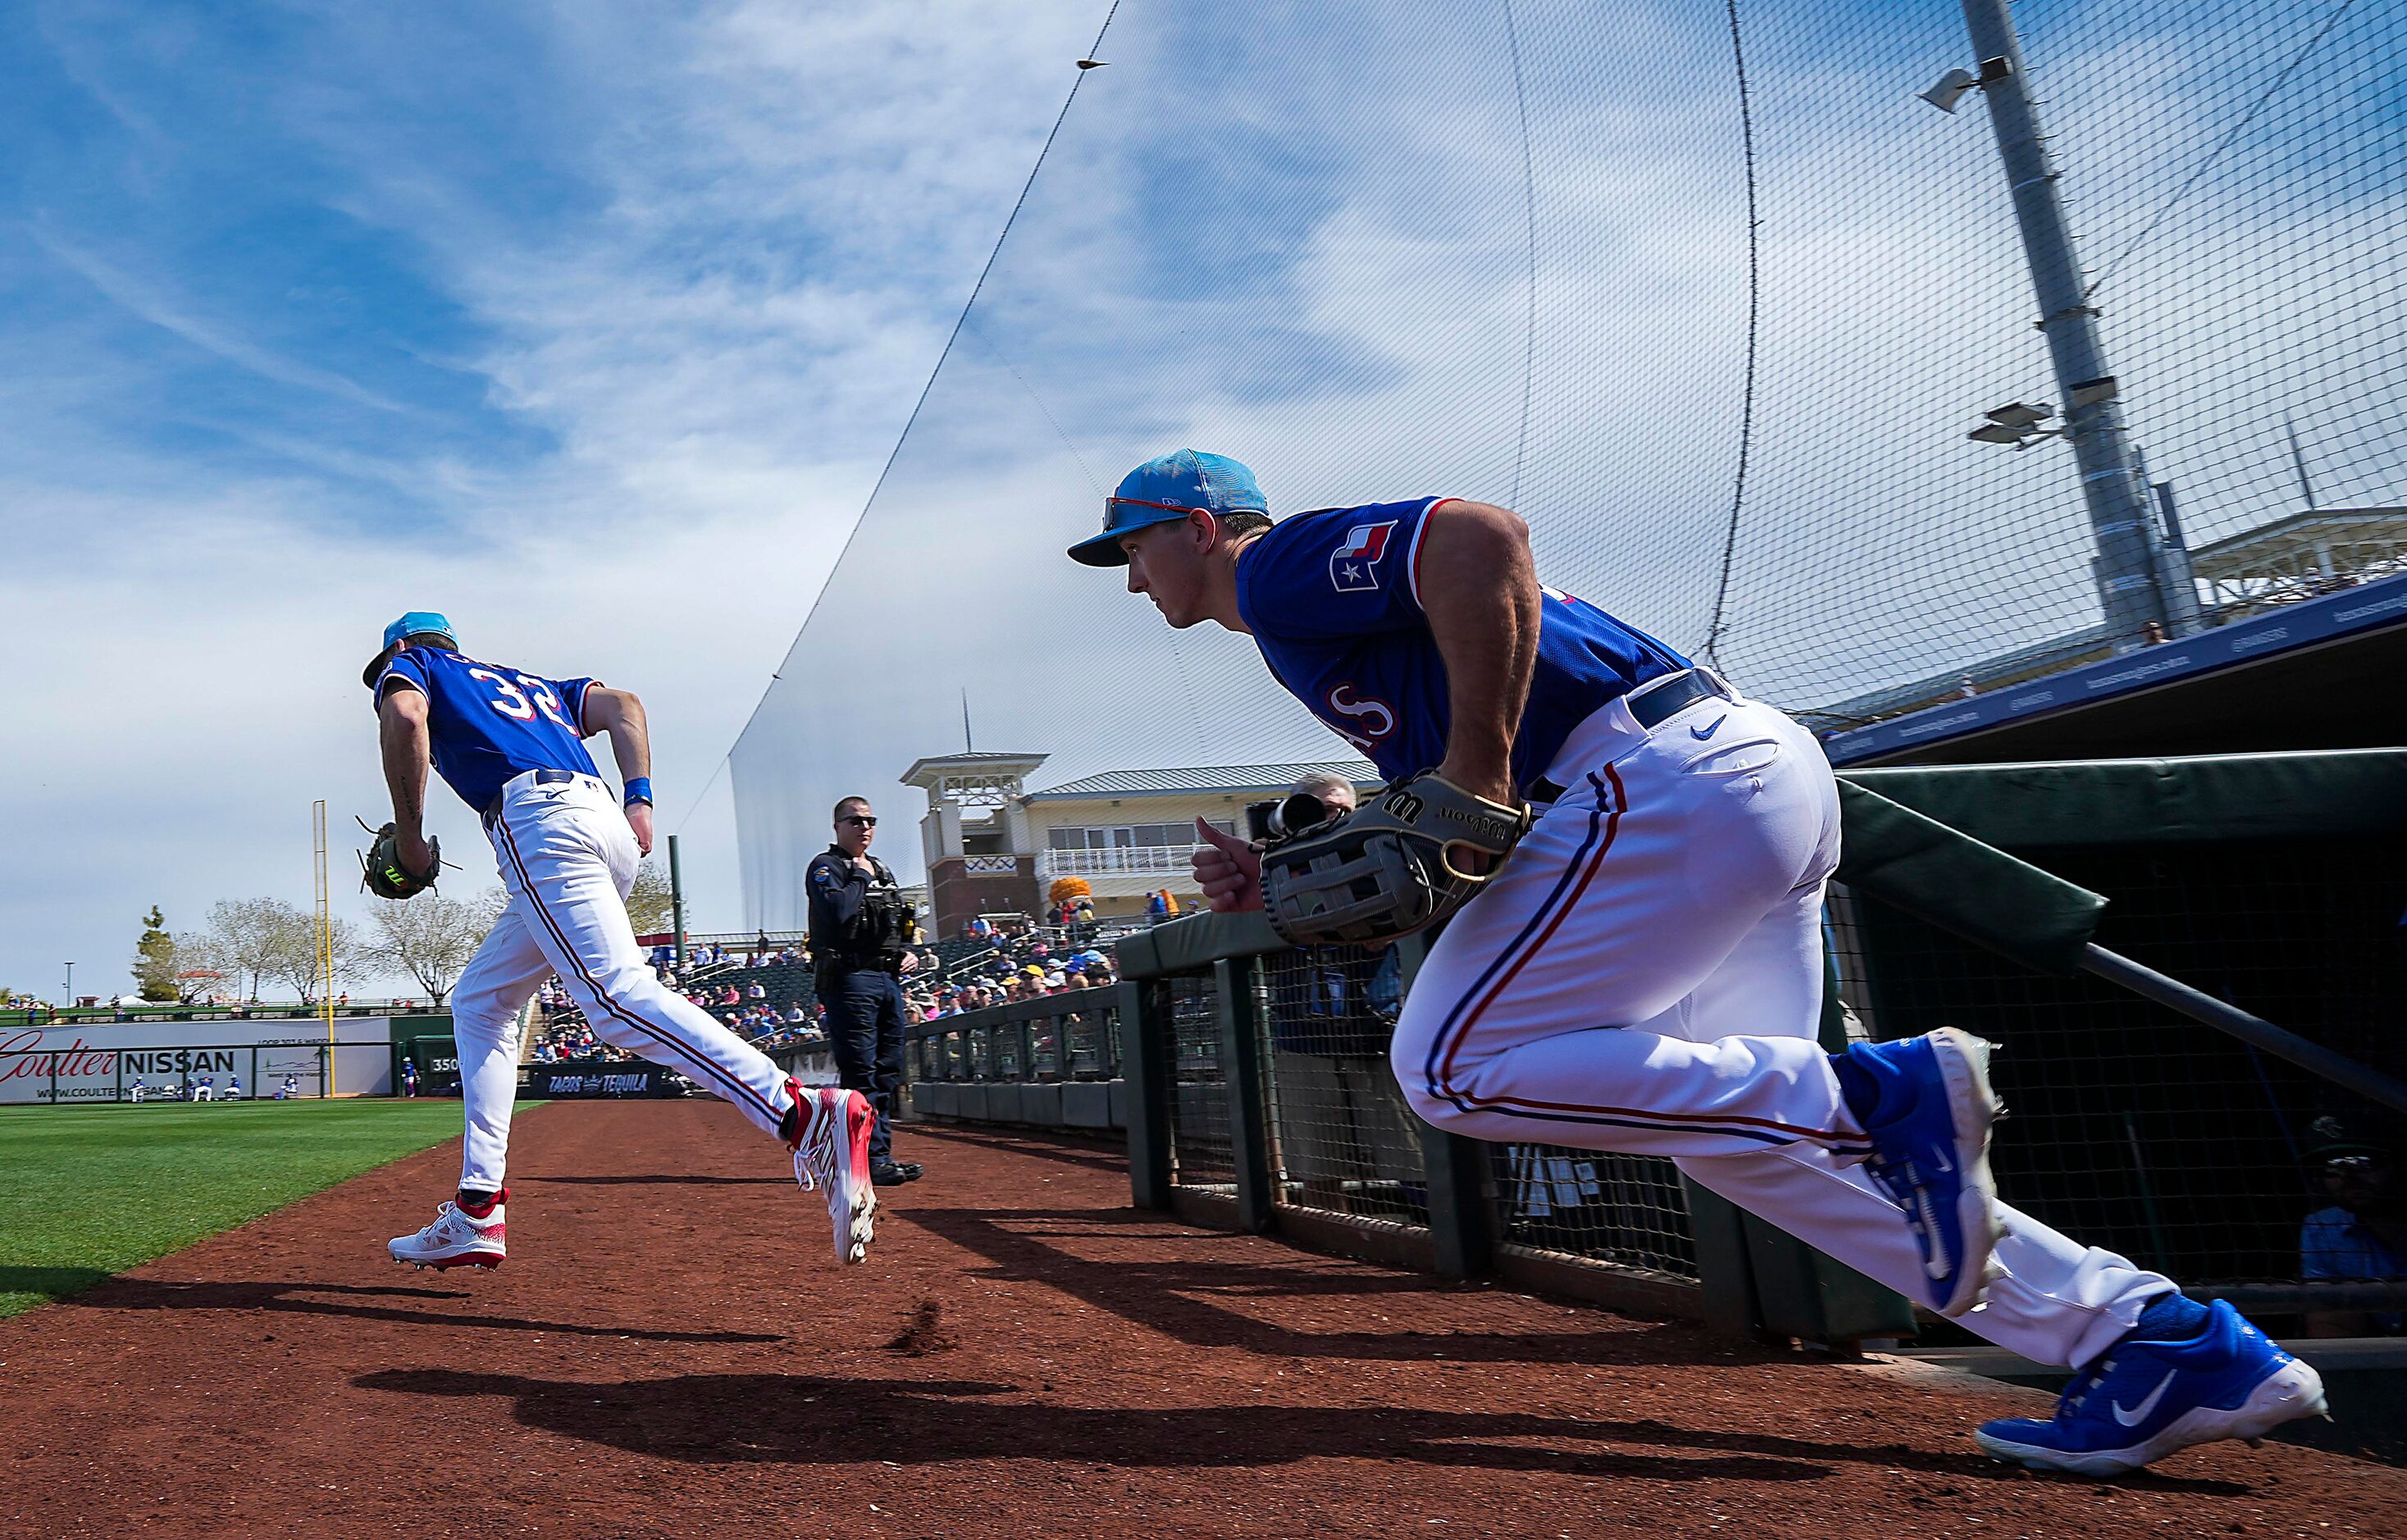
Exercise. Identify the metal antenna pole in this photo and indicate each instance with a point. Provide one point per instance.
(2125, 565)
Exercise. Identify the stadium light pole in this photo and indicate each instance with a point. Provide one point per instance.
(71, 984)
(676, 905)
(2125, 567)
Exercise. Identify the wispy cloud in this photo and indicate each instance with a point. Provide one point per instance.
(589, 327)
(152, 302)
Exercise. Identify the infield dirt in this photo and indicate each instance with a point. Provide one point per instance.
(671, 1351)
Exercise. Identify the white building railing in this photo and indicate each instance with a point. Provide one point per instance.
(1135, 860)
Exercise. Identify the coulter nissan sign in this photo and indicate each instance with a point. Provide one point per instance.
(97, 1060)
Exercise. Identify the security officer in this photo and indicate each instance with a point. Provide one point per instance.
(862, 928)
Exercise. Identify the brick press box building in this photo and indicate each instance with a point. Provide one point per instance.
(995, 847)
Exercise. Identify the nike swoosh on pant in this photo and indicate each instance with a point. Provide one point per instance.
(2138, 1414)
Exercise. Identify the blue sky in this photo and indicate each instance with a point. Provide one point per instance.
(588, 326)
(593, 325)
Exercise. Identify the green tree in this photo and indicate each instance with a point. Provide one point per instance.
(154, 958)
(650, 903)
(245, 937)
(429, 937)
(296, 964)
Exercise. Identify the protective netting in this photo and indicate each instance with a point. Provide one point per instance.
(1505, 251)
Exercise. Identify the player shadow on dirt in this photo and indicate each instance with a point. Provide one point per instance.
(1040, 1147)
(1172, 1294)
(659, 1179)
(57, 1283)
(284, 1298)
(806, 1421)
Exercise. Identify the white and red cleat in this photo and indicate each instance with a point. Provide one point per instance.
(831, 1153)
(456, 1239)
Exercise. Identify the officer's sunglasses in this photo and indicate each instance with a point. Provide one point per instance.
(866, 820)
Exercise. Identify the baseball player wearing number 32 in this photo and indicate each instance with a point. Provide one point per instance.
(512, 744)
(1644, 971)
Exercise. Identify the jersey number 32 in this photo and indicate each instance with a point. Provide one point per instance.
(512, 701)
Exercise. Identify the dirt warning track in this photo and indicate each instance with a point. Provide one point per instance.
(672, 1351)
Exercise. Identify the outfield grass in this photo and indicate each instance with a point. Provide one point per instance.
(89, 1191)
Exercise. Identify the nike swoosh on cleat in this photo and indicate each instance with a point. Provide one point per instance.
(2137, 1414)
(1708, 730)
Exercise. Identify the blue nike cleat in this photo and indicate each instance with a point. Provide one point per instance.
(2141, 1401)
(1927, 1108)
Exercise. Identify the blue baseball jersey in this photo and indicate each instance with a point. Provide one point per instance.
(1333, 598)
(488, 724)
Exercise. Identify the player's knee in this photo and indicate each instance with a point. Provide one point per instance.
(1427, 1105)
(477, 1005)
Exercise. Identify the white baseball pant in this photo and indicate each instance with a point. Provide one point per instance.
(568, 861)
(1645, 977)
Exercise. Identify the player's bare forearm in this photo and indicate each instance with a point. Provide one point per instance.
(620, 714)
(401, 734)
(1479, 589)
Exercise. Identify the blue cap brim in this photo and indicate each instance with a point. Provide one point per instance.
(1103, 550)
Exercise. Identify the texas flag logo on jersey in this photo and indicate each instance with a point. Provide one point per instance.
(1354, 564)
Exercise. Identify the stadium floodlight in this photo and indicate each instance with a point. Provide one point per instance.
(2016, 422)
(1950, 89)
(2022, 416)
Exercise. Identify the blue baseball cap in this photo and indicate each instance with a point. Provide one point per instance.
(418, 622)
(1169, 488)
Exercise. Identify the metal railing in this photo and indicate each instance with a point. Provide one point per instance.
(1053, 1062)
(1261, 1099)
(1135, 860)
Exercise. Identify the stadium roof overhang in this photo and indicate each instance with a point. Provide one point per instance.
(2321, 673)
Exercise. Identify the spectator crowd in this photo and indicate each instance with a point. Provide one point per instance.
(765, 993)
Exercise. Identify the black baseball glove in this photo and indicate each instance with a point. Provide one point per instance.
(1418, 852)
(381, 871)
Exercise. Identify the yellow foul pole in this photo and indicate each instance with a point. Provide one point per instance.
(325, 939)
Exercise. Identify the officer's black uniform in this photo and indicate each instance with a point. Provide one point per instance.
(860, 925)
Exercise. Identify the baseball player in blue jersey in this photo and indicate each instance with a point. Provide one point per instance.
(511, 744)
(1644, 971)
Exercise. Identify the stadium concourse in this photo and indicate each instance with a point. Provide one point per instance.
(667, 1353)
